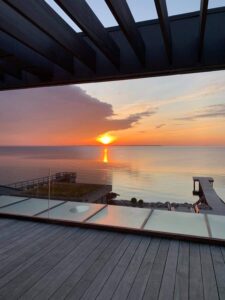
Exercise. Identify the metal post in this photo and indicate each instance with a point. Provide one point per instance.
(49, 190)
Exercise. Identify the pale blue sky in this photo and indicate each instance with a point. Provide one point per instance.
(157, 90)
(141, 9)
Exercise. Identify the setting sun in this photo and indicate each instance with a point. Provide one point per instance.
(106, 139)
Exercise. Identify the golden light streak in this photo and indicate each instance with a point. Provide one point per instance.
(105, 158)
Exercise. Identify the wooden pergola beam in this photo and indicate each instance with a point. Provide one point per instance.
(202, 25)
(123, 15)
(24, 57)
(183, 49)
(162, 12)
(10, 68)
(80, 12)
(46, 19)
(24, 31)
(1, 75)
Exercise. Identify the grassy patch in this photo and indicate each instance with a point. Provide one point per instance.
(64, 190)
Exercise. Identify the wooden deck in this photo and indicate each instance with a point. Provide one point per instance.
(46, 261)
(207, 191)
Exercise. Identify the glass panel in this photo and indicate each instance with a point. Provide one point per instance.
(120, 216)
(73, 211)
(177, 222)
(30, 207)
(7, 200)
(217, 225)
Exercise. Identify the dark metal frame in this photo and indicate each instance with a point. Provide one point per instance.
(38, 48)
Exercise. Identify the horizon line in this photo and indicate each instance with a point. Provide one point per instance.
(115, 145)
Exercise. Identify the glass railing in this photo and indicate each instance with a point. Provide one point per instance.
(205, 226)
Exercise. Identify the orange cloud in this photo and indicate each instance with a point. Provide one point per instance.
(57, 115)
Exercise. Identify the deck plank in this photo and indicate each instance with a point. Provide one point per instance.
(116, 276)
(6, 223)
(26, 279)
(101, 254)
(208, 275)
(30, 236)
(12, 241)
(49, 261)
(8, 248)
(223, 252)
(17, 267)
(22, 256)
(169, 275)
(182, 274)
(155, 278)
(15, 231)
(46, 285)
(93, 281)
(127, 281)
(140, 282)
(219, 267)
(195, 278)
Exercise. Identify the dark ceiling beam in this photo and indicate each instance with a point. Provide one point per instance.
(185, 37)
(24, 31)
(165, 26)
(80, 12)
(123, 15)
(46, 19)
(24, 57)
(202, 25)
(9, 67)
(1, 75)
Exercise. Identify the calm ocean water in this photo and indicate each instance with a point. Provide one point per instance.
(151, 173)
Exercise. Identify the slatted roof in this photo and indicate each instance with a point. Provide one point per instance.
(39, 48)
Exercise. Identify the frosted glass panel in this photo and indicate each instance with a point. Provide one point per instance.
(177, 222)
(30, 207)
(121, 216)
(217, 225)
(72, 211)
(7, 200)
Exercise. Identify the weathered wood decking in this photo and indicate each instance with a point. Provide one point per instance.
(45, 261)
(207, 191)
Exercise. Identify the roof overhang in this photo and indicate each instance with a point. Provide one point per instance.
(39, 49)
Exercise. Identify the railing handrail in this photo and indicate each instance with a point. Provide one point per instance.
(43, 179)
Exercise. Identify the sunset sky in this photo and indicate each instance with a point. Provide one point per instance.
(172, 110)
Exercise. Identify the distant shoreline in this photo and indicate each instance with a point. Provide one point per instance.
(53, 146)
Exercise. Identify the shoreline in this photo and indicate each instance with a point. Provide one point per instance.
(174, 206)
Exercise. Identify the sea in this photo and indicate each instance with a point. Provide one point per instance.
(150, 173)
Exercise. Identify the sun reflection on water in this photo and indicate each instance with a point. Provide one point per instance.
(105, 156)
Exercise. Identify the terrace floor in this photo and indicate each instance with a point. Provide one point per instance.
(45, 261)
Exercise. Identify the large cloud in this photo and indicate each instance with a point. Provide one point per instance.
(57, 115)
